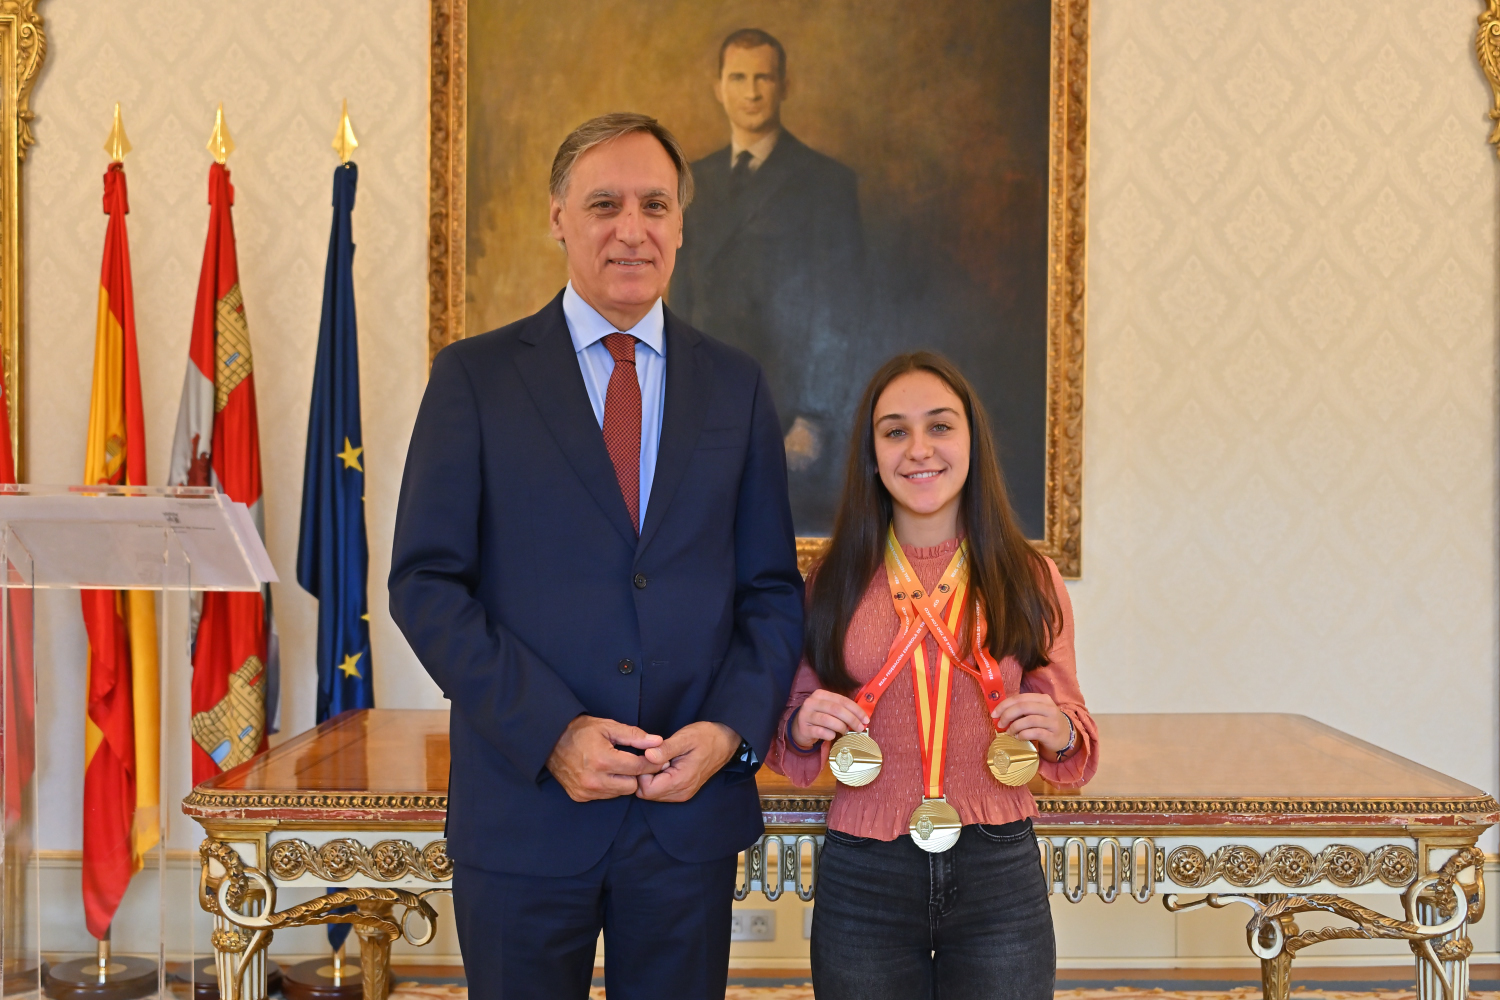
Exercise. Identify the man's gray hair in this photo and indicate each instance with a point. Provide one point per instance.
(605, 128)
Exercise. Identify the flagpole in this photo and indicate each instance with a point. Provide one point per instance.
(329, 478)
(106, 976)
(217, 444)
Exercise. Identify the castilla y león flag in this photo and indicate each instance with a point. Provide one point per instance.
(218, 444)
(121, 742)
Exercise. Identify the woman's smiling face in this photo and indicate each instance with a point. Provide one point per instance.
(922, 443)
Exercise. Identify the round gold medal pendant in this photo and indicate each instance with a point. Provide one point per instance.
(935, 826)
(1011, 761)
(855, 759)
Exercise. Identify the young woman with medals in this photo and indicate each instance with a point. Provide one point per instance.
(938, 679)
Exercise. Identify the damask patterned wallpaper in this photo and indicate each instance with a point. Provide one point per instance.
(280, 68)
(1290, 449)
(1290, 420)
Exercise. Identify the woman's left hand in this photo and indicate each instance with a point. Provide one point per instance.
(1034, 717)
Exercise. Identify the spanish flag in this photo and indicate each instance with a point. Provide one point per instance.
(218, 444)
(122, 741)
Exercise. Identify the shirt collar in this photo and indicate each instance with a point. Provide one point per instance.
(758, 151)
(587, 327)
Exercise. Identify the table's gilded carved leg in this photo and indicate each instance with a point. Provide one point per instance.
(1449, 954)
(243, 901)
(1275, 972)
(375, 949)
(239, 954)
(229, 943)
(1452, 952)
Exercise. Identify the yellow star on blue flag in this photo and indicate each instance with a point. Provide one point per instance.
(350, 455)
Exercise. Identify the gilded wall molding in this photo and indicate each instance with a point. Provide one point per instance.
(1487, 47)
(1067, 218)
(447, 150)
(1067, 271)
(23, 47)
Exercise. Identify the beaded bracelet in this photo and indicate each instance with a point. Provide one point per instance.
(1072, 739)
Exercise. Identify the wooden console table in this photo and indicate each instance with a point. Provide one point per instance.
(1278, 813)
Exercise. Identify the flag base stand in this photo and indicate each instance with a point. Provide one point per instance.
(124, 978)
(206, 979)
(317, 979)
(103, 977)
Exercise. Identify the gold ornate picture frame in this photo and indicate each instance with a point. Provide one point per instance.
(1067, 116)
(23, 46)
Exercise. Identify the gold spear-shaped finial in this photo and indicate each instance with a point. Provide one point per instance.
(344, 142)
(117, 145)
(220, 144)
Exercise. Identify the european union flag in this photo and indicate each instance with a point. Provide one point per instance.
(333, 554)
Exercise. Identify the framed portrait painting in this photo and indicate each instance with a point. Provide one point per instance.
(872, 177)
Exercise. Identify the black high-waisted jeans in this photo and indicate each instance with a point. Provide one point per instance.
(892, 922)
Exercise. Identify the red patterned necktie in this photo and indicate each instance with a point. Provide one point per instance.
(622, 422)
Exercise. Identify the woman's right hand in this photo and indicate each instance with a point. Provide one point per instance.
(826, 716)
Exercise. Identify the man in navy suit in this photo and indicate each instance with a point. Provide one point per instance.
(772, 263)
(594, 559)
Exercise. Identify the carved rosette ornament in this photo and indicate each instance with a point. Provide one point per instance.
(1292, 866)
(340, 860)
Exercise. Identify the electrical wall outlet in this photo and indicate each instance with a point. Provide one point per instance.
(807, 923)
(753, 925)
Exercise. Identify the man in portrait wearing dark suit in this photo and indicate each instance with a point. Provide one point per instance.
(594, 559)
(771, 263)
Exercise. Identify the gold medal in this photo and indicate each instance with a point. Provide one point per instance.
(935, 826)
(855, 759)
(1012, 761)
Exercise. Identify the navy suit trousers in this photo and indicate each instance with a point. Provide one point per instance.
(665, 923)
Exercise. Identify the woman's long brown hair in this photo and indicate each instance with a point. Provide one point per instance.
(1007, 575)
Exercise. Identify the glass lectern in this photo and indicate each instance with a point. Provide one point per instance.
(59, 885)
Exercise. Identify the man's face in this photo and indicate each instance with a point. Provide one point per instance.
(751, 88)
(621, 223)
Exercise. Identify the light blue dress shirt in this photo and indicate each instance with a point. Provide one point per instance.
(588, 330)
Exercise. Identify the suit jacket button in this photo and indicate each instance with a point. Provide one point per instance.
(626, 666)
(640, 581)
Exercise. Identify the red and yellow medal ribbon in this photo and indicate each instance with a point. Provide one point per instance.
(1011, 760)
(903, 584)
(930, 610)
(931, 692)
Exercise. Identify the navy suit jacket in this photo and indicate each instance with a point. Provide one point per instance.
(776, 269)
(518, 579)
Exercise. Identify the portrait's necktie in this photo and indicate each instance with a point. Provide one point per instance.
(739, 174)
(622, 422)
